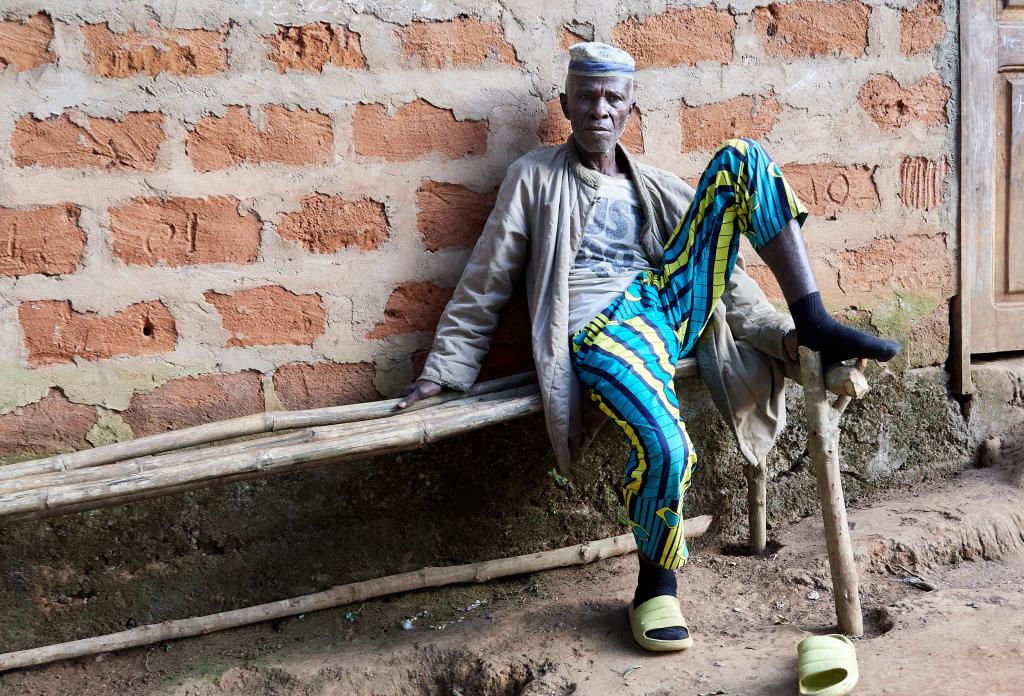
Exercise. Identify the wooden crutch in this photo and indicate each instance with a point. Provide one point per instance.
(823, 443)
(843, 381)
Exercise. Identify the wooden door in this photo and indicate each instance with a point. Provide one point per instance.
(992, 179)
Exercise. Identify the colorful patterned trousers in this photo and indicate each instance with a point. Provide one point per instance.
(625, 357)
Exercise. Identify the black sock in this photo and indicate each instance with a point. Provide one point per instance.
(836, 342)
(655, 581)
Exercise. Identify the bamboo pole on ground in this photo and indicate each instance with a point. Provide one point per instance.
(339, 443)
(337, 596)
(823, 442)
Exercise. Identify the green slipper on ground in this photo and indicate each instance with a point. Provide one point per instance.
(828, 665)
(658, 612)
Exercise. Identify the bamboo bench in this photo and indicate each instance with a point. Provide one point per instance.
(175, 462)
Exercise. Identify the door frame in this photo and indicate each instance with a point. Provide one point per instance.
(978, 64)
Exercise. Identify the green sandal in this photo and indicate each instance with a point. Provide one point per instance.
(658, 612)
(828, 665)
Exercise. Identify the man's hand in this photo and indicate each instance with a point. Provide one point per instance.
(420, 389)
(791, 345)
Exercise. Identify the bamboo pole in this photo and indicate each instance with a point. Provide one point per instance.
(338, 596)
(243, 426)
(147, 463)
(339, 443)
(41, 487)
(104, 471)
(823, 442)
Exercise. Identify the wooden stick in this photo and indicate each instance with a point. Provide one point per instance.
(338, 443)
(246, 425)
(847, 380)
(823, 442)
(338, 596)
(844, 399)
(757, 507)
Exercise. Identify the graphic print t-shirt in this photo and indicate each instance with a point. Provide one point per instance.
(610, 255)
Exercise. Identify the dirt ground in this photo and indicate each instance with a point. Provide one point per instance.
(565, 632)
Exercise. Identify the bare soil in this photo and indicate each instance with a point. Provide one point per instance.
(565, 631)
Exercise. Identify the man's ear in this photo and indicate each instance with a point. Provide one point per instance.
(564, 101)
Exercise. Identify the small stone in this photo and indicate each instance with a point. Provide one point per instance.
(813, 595)
(407, 625)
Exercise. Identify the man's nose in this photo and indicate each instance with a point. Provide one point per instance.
(599, 109)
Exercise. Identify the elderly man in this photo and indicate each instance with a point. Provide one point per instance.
(628, 269)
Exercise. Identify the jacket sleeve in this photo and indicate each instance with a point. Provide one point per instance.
(470, 318)
(751, 317)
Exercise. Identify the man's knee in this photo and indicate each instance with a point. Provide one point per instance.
(667, 469)
(744, 146)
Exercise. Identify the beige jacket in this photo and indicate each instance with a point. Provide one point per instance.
(537, 226)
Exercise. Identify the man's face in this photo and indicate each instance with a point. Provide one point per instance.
(597, 108)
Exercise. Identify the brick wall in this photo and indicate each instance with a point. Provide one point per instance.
(212, 211)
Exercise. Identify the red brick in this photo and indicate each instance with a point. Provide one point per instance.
(921, 28)
(269, 315)
(52, 424)
(801, 29)
(82, 141)
(827, 188)
(891, 106)
(328, 223)
(456, 42)
(417, 129)
(42, 240)
(184, 52)
(323, 384)
(705, 127)
(188, 401)
(678, 37)
(918, 262)
(290, 137)
(55, 333)
(450, 215)
(412, 306)
(184, 231)
(312, 46)
(25, 44)
(554, 128)
(922, 181)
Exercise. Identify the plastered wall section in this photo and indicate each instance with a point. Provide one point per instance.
(211, 210)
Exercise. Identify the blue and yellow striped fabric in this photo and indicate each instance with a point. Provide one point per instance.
(626, 356)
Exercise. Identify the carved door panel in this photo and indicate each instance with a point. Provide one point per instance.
(992, 177)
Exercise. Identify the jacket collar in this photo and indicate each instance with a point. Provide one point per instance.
(592, 178)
